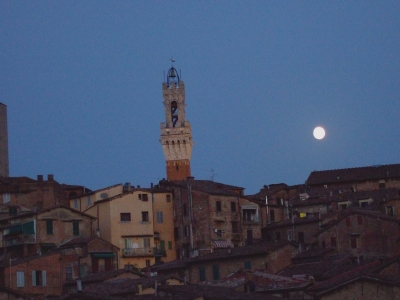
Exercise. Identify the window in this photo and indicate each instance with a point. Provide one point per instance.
(348, 221)
(170, 245)
(68, 273)
(176, 233)
(89, 201)
(20, 279)
(76, 203)
(323, 244)
(144, 197)
(342, 206)
(49, 226)
(219, 233)
(147, 262)
(389, 210)
(202, 273)
(353, 242)
(104, 195)
(233, 206)
(218, 205)
(301, 237)
(333, 241)
(247, 265)
(102, 264)
(38, 278)
(145, 216)
(250, 215)
(359, 220)
(75, 227)
(289, 235)
(168, 198)
(128, 243)
(235, 226)
(160, 217)
(125, 217)
(272, 215)
(184, 210)
(162, 245)
(186, 231)
(12, 211)
(146, 243)
(6, 198)
(216, 272)
(382, 184)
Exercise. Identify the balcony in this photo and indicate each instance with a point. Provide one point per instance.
(159, 252)
(19, 239)
(138, 252)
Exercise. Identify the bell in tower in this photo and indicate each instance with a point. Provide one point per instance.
(176, 133)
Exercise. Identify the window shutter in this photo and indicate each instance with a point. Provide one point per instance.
(44, 278)
(216, 272)
(20, 279)
(202, 273)
(33, 278)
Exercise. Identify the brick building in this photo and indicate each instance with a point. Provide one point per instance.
(210, 215)
(22, 194)
(362, 178)
(271, 257)
(362, 233)
(38, 232)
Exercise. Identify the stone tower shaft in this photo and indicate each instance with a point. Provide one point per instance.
(176, 132)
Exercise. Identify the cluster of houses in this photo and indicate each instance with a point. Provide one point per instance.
(334, 236)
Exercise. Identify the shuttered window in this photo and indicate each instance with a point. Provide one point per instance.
(75, 227)
(39, 278)
(216, 272)
(20, 279)
(202, 273)
(49, 226)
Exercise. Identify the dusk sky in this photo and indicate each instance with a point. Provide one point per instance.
(82, 81)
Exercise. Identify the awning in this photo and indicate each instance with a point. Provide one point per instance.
(103, 255)
(221, 244)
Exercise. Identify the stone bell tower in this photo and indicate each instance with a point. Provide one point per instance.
(176, 133)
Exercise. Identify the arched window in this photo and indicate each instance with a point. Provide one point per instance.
(174, 113)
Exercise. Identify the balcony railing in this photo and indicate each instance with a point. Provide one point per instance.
(19, 239)
(160, 252)
(135, 252)
(250, 218)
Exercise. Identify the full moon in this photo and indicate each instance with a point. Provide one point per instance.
(319, 133)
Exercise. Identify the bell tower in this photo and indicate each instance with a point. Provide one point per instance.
(176, 133)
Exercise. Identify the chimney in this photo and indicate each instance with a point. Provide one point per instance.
(50, 177)
(40, 178)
